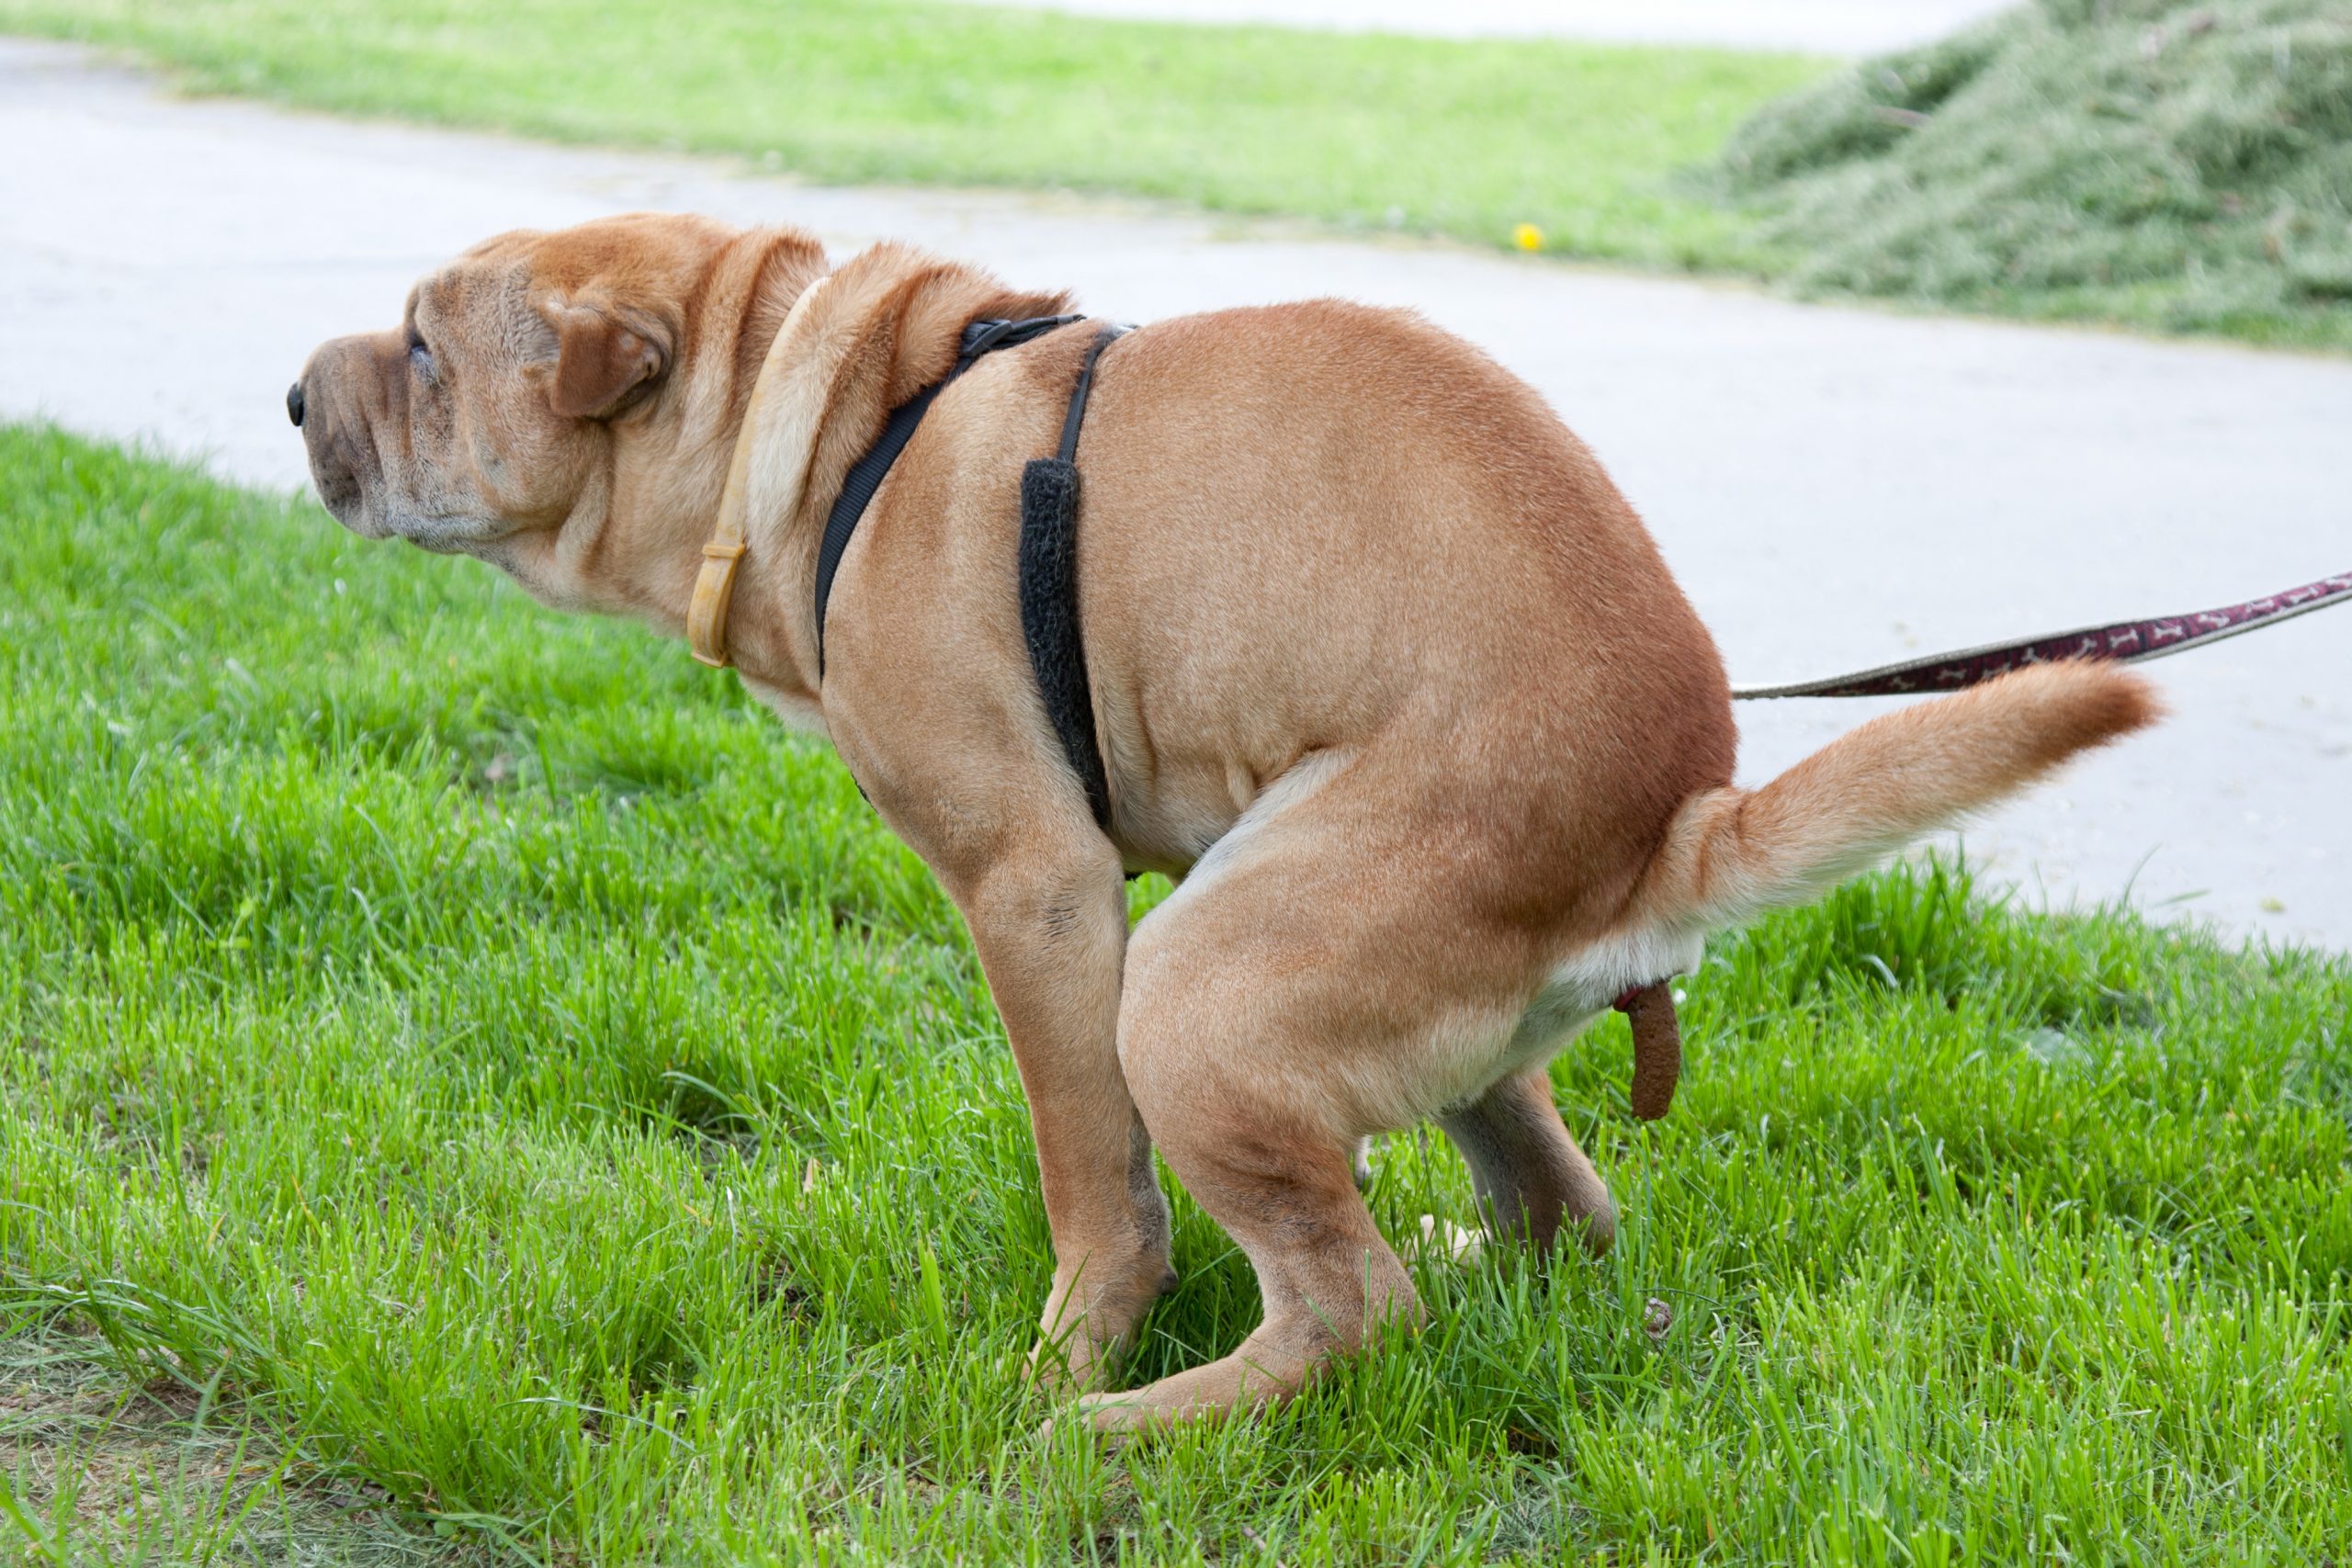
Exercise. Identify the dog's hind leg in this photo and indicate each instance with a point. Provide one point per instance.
(1355, 958)
(1280, 1179)
(1533, 1180)
(1261, 1035)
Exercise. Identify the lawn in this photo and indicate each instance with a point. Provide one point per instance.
(2174, 166)
(1469, 139)
(469, 1083)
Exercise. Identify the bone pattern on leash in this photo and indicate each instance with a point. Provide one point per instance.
(2126, 642)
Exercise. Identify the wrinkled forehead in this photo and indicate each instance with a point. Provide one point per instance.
(483, 280)
(645, 258)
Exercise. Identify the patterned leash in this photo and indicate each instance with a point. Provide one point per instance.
(2126, 642)
(1649, 1009)
(1657, 1037)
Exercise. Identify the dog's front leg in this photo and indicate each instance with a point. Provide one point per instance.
(1051, 928)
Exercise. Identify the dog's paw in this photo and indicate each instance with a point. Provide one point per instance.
(1115, 1416)
(1112, 1420)
(1444, 1239)
(1069, 1363)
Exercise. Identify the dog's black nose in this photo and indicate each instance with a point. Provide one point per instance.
(294, 403)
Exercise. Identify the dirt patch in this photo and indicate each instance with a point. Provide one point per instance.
(105, 1463)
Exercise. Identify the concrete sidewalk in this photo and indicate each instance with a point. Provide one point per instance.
(1835, 488)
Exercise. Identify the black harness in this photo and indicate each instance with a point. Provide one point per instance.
(1049, 545)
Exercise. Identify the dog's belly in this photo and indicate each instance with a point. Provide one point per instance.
(1456, 1054)
(1577, 991)
(1468, 1050)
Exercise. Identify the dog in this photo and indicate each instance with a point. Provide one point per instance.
(1382, 669)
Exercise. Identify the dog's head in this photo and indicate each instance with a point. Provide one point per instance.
(538, 383)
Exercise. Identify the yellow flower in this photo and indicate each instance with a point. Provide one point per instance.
(1527, 237)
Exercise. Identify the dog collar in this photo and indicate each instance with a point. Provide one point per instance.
(787, 362)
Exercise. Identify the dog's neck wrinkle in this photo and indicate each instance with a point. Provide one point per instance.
(589, 543)
(923, 306)
(788, 264)
(771, 270)
(775, 644)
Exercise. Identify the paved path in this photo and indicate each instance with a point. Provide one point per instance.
(1821, 27)
(1835, 488)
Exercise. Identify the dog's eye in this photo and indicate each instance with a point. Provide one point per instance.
(418, 355)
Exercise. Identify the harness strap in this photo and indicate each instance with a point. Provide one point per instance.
(865, 476)
(1049, 622)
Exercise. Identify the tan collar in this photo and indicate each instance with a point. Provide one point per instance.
(772, 455)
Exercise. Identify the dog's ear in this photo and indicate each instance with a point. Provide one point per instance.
(604, 364)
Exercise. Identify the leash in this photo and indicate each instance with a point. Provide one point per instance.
(2124, 642)
(1649, 1009)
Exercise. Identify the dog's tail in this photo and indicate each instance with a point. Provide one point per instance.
(1732, 853)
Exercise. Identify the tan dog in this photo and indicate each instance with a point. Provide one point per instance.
(1384, 667)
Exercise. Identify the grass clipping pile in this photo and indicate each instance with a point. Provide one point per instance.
(2183, 167)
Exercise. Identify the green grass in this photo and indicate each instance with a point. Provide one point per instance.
(1459, 137)
(488, 1087)
(2177, 165)
(2183, 166)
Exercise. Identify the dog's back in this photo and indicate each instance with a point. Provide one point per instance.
(1307, 526)
(1311, 525)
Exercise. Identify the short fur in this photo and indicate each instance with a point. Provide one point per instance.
(1381, 665)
